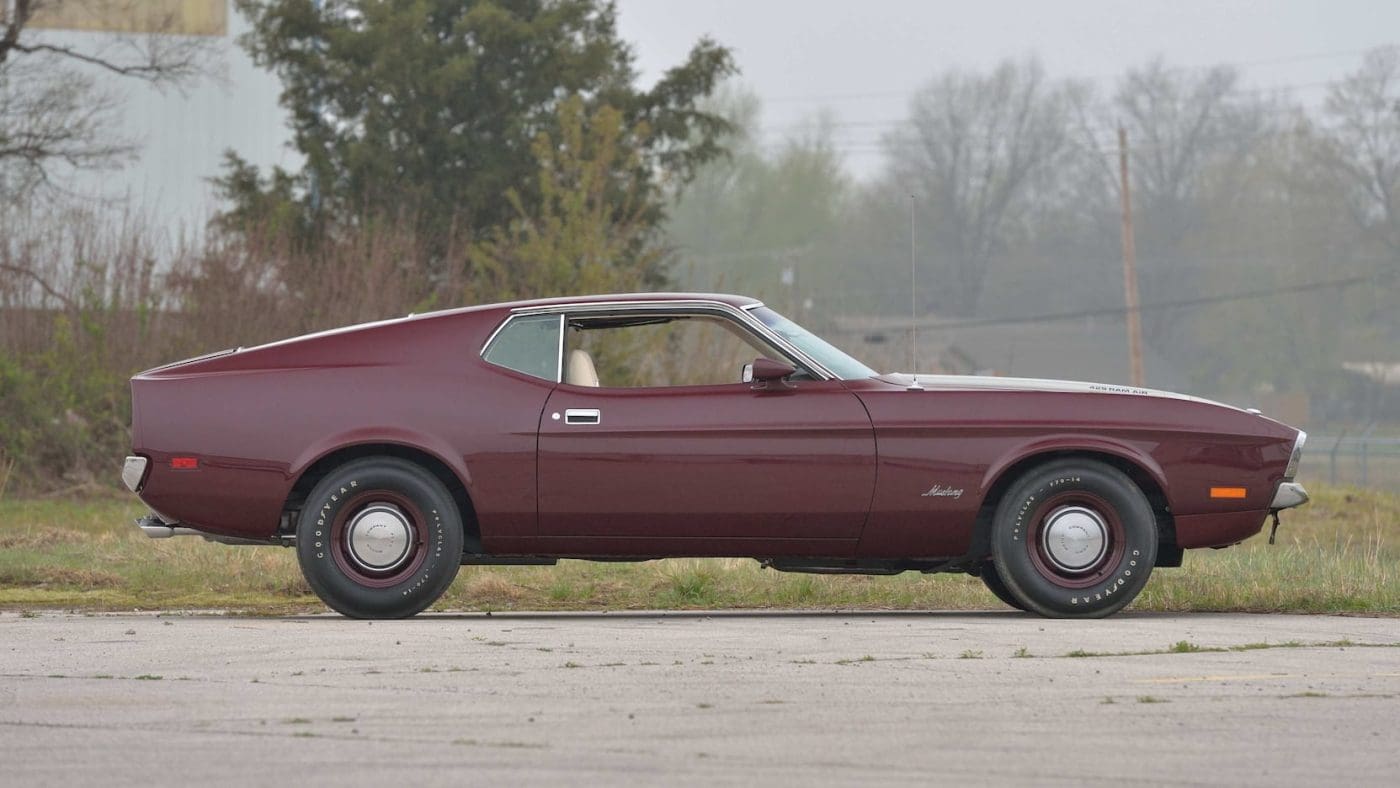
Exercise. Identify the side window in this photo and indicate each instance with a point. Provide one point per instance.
(653, 351)
(529, 345)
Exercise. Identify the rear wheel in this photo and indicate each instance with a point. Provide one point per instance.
(380, 537)
(1074, 538)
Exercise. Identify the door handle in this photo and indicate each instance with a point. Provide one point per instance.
(582, 416)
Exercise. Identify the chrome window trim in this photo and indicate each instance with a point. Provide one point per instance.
(739, 315)
(558, 359)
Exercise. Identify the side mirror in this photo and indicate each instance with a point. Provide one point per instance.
(765, 370)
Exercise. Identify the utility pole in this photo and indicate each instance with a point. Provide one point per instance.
(1130, 285)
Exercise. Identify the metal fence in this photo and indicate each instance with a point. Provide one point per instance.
(1361, 459)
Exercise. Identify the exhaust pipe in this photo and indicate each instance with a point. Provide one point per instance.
(165, 531)
(153, 526)
(156, 528)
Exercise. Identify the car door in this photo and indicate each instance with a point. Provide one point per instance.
(726, 467)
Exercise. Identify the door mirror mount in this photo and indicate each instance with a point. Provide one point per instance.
(764, 371)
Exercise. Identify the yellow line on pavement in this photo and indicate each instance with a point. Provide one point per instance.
(1263, 676)
(1245, 677)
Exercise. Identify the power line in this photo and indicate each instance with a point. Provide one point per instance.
(1242, 64)
(892, 124)
(893, 291)
(1347, 282)
(1092, 144)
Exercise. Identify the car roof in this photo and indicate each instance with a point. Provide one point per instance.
(738, 301)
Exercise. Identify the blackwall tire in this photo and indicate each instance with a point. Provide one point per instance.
(992, 580)
(379, 537)
(1074, 538)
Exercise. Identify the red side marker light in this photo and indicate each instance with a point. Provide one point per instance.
(184, 463)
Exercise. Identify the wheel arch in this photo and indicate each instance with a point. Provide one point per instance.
(1141, 470)
(317, 468)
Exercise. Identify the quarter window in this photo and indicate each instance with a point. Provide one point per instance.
(529, 345)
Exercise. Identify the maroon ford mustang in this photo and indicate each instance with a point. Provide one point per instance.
(644, 426)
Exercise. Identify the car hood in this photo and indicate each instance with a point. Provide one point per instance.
(992, 383)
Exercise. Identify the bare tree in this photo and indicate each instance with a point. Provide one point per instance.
(54, 111)
(1191, 134)
(1184, 127)
(974, 152)
(1364, 136)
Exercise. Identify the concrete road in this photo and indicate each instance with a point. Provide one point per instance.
(713, 699)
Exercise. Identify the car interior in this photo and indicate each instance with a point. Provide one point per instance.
(650, 350)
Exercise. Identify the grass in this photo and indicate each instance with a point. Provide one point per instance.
(1336, 555)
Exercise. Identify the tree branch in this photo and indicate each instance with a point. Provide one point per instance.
(39, 280)
(148, 71)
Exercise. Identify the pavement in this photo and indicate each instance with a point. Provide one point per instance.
(698, 698)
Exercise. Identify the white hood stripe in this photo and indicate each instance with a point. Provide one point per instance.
(992, 383)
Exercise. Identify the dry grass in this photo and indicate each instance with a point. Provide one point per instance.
(1336, 555)
(85, 303)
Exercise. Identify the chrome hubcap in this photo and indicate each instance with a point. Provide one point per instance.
(1074, 538)
(379, 537)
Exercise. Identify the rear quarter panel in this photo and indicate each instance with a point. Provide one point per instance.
(258, 419)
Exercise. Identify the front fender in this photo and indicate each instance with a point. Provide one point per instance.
(1069, 443)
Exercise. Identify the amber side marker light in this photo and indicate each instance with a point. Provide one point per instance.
(1227, 492)
(184, 463)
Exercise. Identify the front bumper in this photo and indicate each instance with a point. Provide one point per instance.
(1289, 495)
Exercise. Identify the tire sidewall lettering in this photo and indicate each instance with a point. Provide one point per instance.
(1121, 577)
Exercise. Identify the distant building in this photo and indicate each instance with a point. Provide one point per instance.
(182, 17)
(1385, 373)
(182, 134)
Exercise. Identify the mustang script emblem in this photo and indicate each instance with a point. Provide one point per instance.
(939, 491)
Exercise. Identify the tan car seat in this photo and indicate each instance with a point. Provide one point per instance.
(581, 371)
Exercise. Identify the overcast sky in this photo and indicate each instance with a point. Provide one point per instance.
(863, 59)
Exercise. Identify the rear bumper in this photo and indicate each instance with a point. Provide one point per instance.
(134, 472)
(1289, 495)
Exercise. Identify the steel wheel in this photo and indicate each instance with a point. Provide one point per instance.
(378, 538)
(1076, 539)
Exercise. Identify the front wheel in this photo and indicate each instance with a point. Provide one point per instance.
(1074, 538)
(380, 537)
(992, 580)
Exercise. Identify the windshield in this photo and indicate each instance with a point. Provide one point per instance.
(825, 353)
